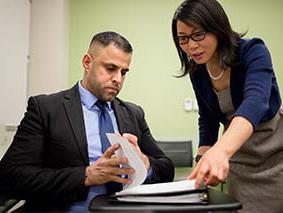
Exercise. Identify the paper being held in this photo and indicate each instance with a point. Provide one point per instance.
(134, 161)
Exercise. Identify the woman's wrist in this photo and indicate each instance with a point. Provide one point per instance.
(197, 158)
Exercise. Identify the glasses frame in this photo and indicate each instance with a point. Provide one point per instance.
(193, 36)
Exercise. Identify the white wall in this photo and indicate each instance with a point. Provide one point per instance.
(33, 56)
(48, 70)
(14, 48)
(38, 31)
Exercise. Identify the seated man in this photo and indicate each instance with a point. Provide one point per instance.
(59, 158)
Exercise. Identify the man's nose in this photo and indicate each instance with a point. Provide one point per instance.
(117, 77)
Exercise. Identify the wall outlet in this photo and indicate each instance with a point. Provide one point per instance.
(188, 104)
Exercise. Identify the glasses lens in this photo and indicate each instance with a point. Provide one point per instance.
(182, 39)
(198, 36)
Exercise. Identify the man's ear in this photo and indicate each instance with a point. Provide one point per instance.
(86, 61)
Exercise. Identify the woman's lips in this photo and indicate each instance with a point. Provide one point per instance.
(197, 56)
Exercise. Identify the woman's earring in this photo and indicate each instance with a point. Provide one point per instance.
(189, 59)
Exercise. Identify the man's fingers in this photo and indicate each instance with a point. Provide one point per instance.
(117, 173)
(111, 162)
(118, 179)
(111, 150)
(114, 162)
(132, 138)
(123, 171)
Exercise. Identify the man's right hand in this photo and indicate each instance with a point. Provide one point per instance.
(107, 169)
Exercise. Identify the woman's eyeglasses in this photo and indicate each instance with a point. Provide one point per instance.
(184, 39)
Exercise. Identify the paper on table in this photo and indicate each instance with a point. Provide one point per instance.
(134, 161)
(196, 198)
(160, 188)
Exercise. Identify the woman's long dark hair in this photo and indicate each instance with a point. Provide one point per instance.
(209, 15)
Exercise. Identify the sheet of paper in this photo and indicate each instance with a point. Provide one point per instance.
(134, 161)
(160, 188)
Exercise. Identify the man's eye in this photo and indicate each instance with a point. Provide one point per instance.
(111, 68)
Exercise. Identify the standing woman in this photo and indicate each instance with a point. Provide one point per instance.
(234, 83)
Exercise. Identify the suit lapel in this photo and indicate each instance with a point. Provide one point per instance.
(122, 116)
(72, 104)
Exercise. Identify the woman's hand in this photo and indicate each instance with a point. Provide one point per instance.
(212, 168)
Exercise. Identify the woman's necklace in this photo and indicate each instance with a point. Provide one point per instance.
(215, 78)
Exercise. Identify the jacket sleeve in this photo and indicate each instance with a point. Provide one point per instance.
(23, 171)
(258, 83)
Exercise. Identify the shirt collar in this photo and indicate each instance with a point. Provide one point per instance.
(89, 99)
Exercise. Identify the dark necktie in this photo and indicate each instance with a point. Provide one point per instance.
(105, 124)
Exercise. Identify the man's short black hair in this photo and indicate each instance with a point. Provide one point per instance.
(108, 37)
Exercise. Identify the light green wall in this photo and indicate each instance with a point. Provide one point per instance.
(147, 24)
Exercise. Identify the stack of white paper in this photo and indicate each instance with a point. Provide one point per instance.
(160, 188)
(171, 192)
(182, 192)
(134, 161)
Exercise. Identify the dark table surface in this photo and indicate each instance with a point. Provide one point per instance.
(217, 202)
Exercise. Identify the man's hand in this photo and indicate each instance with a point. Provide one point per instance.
(107, 169)
(134, 141)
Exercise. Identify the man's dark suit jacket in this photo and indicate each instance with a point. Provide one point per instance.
(46, 162)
